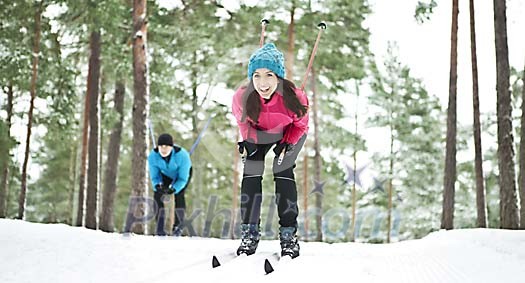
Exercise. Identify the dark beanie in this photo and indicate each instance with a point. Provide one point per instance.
(165, 139)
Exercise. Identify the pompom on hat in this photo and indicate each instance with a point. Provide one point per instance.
(268, 57)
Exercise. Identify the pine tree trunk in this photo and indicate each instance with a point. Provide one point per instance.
(36, 53)
(235, 201)
(289, 62)
(100, 190)
(110, 177)
(509, 217)
(135, 221)
(199, 193)
(317, 162)
(305, 192)
(83, 164)
(390, 175)
(447, 220)
(521, 177)
(4, 185)
(72, 180)
(93, 92)
(354, 189)
(480, 189)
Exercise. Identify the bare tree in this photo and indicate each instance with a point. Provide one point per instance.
(34, 76)
(447, 219)
(507, 182)
(480, 189)
(110, 177)
(135, 221)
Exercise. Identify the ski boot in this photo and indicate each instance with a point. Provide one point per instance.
(289, 244)
(250, 237)
(177, 231)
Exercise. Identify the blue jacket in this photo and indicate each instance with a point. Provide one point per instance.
(178, 168)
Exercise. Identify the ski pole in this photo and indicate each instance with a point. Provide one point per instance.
(197, 141)
(151, 133)
(321, 26)
(264, 22)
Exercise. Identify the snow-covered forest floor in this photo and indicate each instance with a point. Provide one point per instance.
(31, 252)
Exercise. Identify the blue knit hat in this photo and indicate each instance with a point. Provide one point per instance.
(267, 57)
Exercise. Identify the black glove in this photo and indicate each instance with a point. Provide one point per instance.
(282, 151)
(169, 190)
(289, 149)
(250, 147)
(161, 188)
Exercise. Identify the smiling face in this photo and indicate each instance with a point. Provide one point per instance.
(265, 82)
(165, 150)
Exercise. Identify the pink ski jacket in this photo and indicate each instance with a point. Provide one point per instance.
(274, 118)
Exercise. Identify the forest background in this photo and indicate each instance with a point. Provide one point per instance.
(78, 101)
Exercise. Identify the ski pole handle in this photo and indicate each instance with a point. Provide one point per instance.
(321, 26)
(243, 157)
(264, 22)
(281, 156)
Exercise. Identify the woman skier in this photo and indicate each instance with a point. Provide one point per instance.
(270, 112)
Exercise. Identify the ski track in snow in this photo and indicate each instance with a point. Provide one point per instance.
(31, 252)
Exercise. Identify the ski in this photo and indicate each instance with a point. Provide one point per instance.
(279, 260)
(215, 262)
(271, 262)
(268, 268)
(225, 258)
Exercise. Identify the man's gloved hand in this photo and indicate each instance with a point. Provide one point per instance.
(159, 188)
(250, 147)
(170, 190)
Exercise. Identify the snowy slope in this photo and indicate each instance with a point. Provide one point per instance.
(32, 252)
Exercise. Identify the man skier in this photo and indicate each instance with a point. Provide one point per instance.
(170, 172)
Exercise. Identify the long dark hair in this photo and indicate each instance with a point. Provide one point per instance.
(252, 103)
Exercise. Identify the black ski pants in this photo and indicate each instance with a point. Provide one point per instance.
(180, 206)
(285, 187)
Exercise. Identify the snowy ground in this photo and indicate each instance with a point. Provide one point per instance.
(32, 252)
